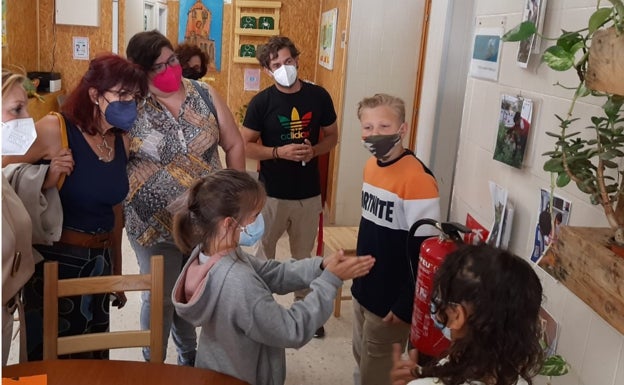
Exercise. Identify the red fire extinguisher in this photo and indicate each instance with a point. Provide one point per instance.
(424, 336)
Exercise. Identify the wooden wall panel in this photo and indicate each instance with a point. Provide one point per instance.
(21, 26)
(57, 40)
(300, 22)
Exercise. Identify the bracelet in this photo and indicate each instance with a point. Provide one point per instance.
(275, 154)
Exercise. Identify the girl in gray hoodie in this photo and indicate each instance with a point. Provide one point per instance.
(229, 293)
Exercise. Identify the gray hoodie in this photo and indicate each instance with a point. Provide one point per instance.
(244, 330)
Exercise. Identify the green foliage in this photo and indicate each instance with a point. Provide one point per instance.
(554, 365)
(593, 164)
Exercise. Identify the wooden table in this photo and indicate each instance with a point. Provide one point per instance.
(111, 372)
(336, 238)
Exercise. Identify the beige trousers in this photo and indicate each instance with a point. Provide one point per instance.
(298, 218)
(372, 345)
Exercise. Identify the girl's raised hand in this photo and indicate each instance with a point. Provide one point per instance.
(348, 267)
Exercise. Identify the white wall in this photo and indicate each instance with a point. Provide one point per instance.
(383, 45)
(594, 349)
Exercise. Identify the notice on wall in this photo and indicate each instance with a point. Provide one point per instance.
(486, 51)
(252, 79)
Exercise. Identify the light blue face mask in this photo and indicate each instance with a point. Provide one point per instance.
(446, 331)
(251, 233)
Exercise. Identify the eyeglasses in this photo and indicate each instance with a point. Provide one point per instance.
(126, 96)
(436, 305)
(160, 67)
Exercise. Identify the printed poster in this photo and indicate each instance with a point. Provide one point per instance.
(327, 43)
(486, 53)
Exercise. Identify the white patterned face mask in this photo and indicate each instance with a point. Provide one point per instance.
(17, 136)
(286, 75)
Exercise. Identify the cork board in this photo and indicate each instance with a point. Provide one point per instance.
(21, 27)
(56, 43)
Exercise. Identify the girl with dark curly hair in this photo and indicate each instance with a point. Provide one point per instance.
(487, 301)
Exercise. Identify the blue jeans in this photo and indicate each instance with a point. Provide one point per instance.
(183, 333)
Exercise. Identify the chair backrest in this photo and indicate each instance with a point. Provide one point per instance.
(53, 345)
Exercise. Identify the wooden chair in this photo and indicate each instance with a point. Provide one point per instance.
(53, 345)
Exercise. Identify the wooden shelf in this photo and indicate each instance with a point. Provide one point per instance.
(40, 108)
(255, 11)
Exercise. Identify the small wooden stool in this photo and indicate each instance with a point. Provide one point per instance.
(336, 238)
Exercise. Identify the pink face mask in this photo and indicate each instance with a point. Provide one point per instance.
(169, 79)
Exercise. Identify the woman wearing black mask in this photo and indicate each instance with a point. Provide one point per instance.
(193, 60)
(97, 116)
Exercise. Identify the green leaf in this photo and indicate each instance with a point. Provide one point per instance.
(553, 165)
(521, 32)
(598, 19)
(554, 365)
(562, 179)
(558, 58)
(612, 107)
(570, 41)
(582, 91)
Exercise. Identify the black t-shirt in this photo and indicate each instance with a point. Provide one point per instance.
(290, 118)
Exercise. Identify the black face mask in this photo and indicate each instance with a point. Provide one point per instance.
(191, 73)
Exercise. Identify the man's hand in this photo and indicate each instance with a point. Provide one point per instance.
(297, 152)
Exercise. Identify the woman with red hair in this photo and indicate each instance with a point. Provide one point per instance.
(97, 116)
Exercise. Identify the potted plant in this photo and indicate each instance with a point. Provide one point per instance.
(593, 160)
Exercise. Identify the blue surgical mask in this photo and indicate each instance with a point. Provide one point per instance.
(446, 331)
(251, 233)
(121, 114)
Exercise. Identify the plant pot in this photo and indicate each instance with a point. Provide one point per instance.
(606, 62)
(583, 262)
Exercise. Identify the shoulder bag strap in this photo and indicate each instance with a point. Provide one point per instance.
(64, 143)
(207, 98)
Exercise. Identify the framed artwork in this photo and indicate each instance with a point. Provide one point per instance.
(329, 23)
(201, 24)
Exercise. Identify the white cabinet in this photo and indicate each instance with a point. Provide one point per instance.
(77, 12)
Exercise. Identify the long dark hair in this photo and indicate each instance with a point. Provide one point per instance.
(104, 73)
(222, 194)
(504, 296)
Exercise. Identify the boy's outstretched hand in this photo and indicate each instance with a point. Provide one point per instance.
(348, 267)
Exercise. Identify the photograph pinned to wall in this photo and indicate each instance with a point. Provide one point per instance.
(514, 125)
(201, 24)
(533, 12)
(327, 43)
(499, 204)
(486, 51)
(547, 227)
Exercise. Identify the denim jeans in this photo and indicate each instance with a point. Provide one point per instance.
(182, 332)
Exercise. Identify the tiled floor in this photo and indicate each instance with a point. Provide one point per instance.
(322, 361)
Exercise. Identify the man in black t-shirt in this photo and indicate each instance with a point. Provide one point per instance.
(288, 118)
